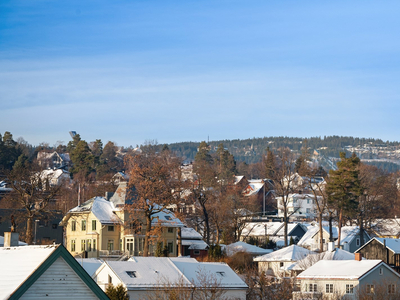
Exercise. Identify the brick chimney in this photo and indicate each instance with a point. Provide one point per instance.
(358, 256)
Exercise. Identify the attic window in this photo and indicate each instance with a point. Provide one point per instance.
(131, 274)
(220, 273)
(167, 218)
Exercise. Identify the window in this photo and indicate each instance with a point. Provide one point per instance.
(281, 264)
(83, 225)
(73, 226)
(109, 279)
(308, 210)
(308, 201)
(312, 287)
(380, 271)
(391, 289)
(94, 245)
(111, 228)
(93, 225)
(73, 246)
(358, 242)
(89, 245)
(110, 245)
(54, 226)
(170, 246)
(329, 288)
(167, 218)
(196, 252)
(370, 288)
(83, 245)
(349, 289)
(131, 274)
(170, 230)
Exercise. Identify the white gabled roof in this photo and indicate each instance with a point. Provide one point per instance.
(101, 208)
(267, 228)
(158, 271)
(244, 247)
(90, 264)
(339, 269)
(194, 271)
(291, 253)
(307, 239)
(18, 263)
(190, 233)
(149, 272)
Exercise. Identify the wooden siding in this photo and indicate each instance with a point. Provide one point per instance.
(59, 281)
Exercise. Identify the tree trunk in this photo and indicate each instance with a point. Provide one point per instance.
(206, 224)
(340, 226)
(361, 231)
(321, 233)
(330, 227)
(29, 228)
(285, 232)
(147, 236)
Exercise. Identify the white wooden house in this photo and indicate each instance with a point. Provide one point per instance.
(348, 280)
(44, 272)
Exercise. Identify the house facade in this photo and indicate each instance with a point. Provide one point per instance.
(156, 277)
(38, 272)
(348, 280)
(387, 250)
(99, 229)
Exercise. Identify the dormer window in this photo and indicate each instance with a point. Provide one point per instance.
(131, 274)
(167, 218)
(220, 273)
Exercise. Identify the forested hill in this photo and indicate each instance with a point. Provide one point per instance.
(251, 150)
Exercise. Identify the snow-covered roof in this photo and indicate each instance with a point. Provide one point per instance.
(238, 179)
(90, 264)
(290, 253)
(307, 239)
(166, 218)
(195, 272)
(267, 228)
(53, 174)
(190, 233)
(156, 271)
(387, 227)
(148, 272)
(195, 244)
(19, 242)
(253, 187)
(101, 208)
(348, 234)
(339, 269)
(18, 263)
(244, 247)
(309, 260)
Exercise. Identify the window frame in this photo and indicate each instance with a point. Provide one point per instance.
(83, 225)
(329, 288)
(73, 225)
(94, 222)
(349, 288)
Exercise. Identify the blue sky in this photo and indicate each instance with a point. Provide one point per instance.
(131, 71)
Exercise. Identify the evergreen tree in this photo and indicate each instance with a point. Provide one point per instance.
(82, 159)
(72, 144)
(344, 188)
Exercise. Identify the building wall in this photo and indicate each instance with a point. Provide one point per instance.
(339, 287)
(375, 250)
(59, 281)
(83, 237)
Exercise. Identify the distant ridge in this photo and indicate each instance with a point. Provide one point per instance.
(251, 150)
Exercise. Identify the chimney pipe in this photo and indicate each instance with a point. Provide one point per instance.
(358, 256)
